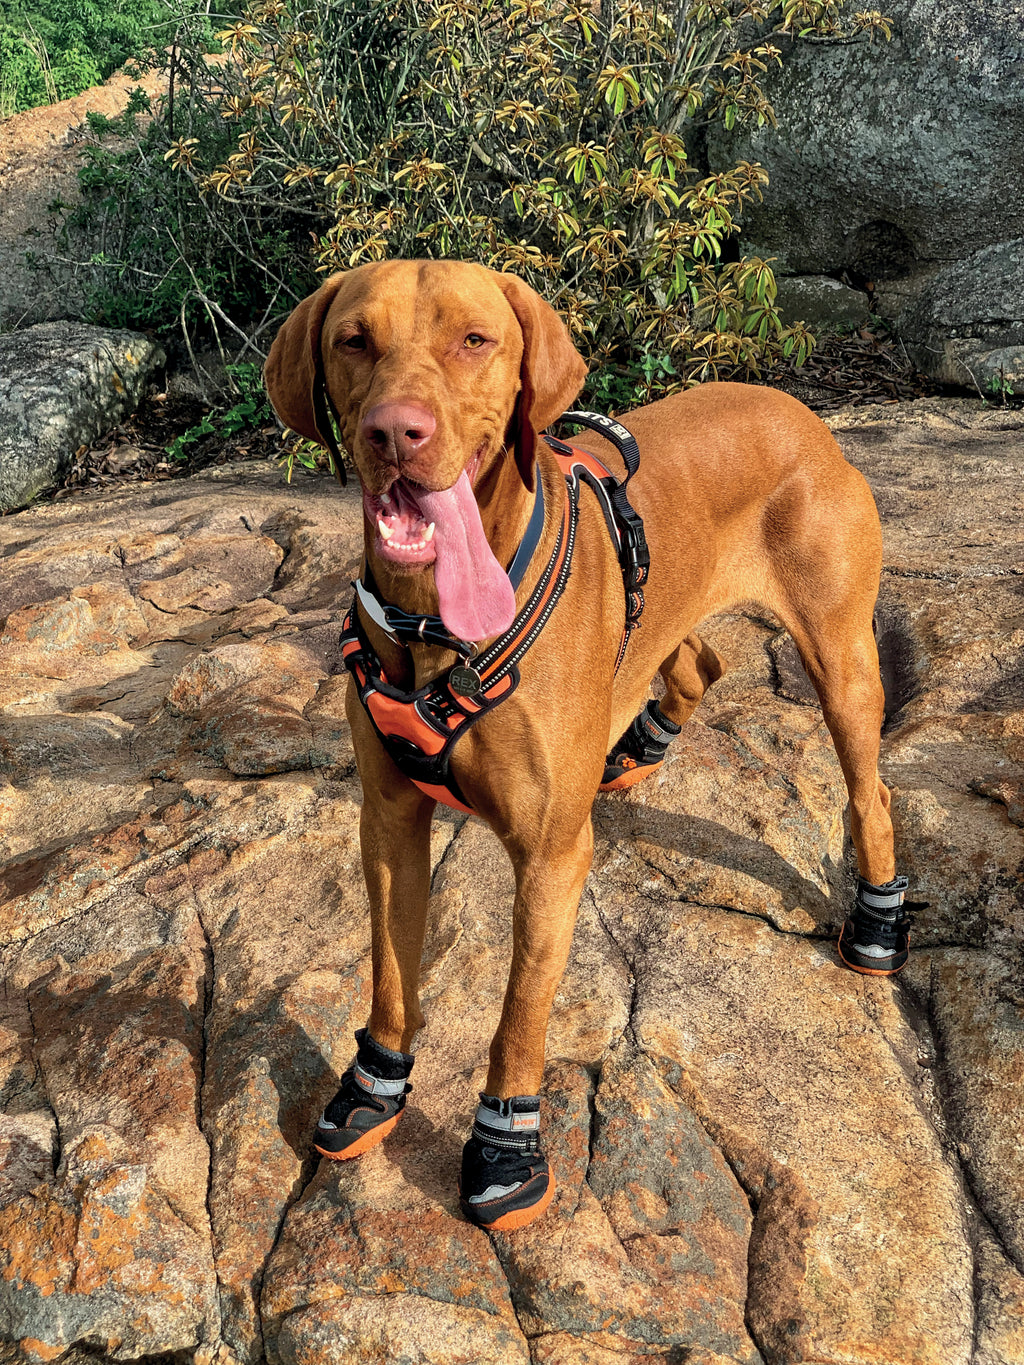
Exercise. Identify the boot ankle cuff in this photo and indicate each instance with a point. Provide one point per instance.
(666, 726)
(380, 1061)
(883, 903)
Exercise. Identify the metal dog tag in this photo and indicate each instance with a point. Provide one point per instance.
(465, 680)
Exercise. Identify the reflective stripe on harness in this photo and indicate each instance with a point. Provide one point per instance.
(419, 729)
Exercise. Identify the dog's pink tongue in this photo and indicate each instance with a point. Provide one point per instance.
(477, 599)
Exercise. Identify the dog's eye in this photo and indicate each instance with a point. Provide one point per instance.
(357, 342)
(474, 341)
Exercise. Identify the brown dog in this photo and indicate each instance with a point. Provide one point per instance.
(441, 376)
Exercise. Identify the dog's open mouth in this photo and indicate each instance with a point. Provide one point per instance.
(404, 535)
(417, 526)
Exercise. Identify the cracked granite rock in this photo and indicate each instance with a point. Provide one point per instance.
(62, 384)
(759, 1156)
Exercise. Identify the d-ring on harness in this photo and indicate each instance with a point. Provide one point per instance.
(419, 729)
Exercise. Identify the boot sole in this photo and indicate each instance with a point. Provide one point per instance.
(872, 971)
(369, 1139)
(630, 779)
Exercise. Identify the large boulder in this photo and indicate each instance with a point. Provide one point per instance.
(62, 384)
(823, 303)
(967, 326)
(893, 160)
(891, 155)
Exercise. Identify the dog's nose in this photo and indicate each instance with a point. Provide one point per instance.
(398, 430)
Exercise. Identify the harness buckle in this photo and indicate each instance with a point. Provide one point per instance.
(634, 556)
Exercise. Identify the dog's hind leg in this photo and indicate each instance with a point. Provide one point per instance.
(843, 665)
(688, 672)
(826, 570)
(824, 561)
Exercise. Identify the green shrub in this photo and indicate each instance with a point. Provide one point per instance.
(156, 255)
(251, 408)
(548, 139)
(50, 51)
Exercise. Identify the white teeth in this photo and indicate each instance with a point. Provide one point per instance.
(385, 500)
(388, 534)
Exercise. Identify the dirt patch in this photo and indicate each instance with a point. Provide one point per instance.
(868, 367)
(40, 153)
(137, 451)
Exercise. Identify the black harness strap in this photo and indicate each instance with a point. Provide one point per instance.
(634, 556)
(419, 729)
(323, 412)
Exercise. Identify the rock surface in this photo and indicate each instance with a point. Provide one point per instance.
(893, 153)
(62, 384)
(760, 1157)
(894, 161)
(967, 324)
(821, 302)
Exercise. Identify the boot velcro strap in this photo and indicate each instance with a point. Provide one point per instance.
(523, 1121)
(525, 1142)
(373, 1085)
(650, 729)
(652, 725)
(515, 1130)
(879, 916)
(881, 902)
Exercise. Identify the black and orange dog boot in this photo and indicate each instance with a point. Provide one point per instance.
(640, 751)
(369, 1104)
(875, 940)
(506, 1181)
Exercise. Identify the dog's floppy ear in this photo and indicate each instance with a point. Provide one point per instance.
(295, 367)
(552, 371)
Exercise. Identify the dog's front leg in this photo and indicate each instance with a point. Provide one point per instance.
(394, 837)
(549, 882)
(506, 1181)
(394, 834)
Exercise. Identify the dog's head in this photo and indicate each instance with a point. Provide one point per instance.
(435, 370)
(463, 348)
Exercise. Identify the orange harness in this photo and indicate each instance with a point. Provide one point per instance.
(419, 729)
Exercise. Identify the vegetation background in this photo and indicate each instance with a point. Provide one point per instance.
(53, 49)
(563, 141)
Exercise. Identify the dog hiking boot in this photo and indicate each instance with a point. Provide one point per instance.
(506, 1181)
(640, 751)
(875, 940)
(368, 1105)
